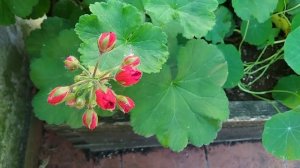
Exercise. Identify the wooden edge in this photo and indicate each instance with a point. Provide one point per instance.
(34, 142)
(246, 123)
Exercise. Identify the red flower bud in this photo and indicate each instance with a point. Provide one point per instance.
(106, 41)
(58, 95)
(90, 119)
(106, 100)
(128, 76)
(125, 103)
(71, 63)
(131, 60)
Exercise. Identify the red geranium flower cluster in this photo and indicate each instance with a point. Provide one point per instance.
(91, 87)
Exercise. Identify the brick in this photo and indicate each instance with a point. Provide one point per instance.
(191, 157)
(241, 155)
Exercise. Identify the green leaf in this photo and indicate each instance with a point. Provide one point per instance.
(38, 38)
(68, 10)
(281, 135)
(137, 3)
(221, 1)
(222, 27)
(235, 64)
(292, 85)
(187, 109)
(10, 8)
(195, 17)
(144, 39)
(260, 10)
(59, 114)
(295, 22)
(48, 72)
(292, 50)
(40, 9)
(292, 4)
(257, 33)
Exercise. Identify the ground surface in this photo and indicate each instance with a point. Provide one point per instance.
(56, 152)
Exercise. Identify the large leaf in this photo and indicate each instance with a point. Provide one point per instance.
(10, 8)
(235, 64)
(222, 27)
(187, 109)
(48, 72)
(295, 22)
(292, 85)
(257, 33)
(196, 17)
(281, 136)
(292, 50)
(260, 10)
(292, 4)
(40, 9)
(49, 30)
(144, 39)
(67, 9)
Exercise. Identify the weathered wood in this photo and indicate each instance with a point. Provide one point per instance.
(34, 141)
(14, 97)
(246, 123)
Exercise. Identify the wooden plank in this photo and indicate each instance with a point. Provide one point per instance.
(246, 123)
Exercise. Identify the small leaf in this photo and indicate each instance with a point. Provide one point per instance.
(257, 33)
(10, 8)
(260, 10)
(38, 38)
(68, 10)
(40, 9)
(281, 135)
(222, 27)
(187, 109)
(144, 39)
(291, 84)
(292, 50)
(235, 64)
(195, 17)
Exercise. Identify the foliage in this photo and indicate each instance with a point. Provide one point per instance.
(180, 98)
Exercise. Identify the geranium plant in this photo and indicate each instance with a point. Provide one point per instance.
(188, 52)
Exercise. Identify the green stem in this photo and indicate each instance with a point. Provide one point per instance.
(268, 101)
(279, 41)
(288, 10)
(84, 69)
(244, 37)
(259, 57)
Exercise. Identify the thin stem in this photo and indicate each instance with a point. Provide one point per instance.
(279, 41)
(90, 105)
(268, 101)
(288, 10)
(78, 83)
(242, 87)
(259, 57)
(96, 67)
(244, 37)
(84, 69)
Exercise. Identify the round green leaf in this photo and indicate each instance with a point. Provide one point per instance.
(292, 50)
(187, 109)
(222, 26)
(257, 33)
(38, 38)
(40, 9)
(292, 84)
(260, 10)
(48, 72)
(68, 10)
(235, 64)
(221, 1)
(281, 135)
(143, 39)
(195, 17)
(292, 4)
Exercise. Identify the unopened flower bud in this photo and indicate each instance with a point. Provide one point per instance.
(128, 76)
(71, 63)
(106, 99)
(80, 102)
(90, 119)
(125, 103)
(131, 60)
(106, 41)
(58, 95)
